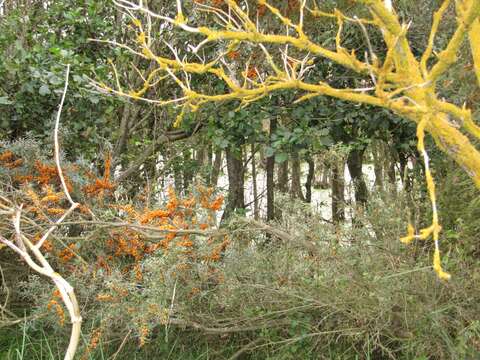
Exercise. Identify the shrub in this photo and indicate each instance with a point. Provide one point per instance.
(166, 281)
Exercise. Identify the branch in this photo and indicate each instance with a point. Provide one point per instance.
(149, 151)
(448, 56)
(284, 236)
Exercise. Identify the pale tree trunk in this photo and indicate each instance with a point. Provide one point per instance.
(338, 191)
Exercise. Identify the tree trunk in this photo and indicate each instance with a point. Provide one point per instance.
(200, 155)
(236, 198)
(354, 163)
(201, 162)
(263, 162)
(325, 181)
(270, 169)
(404, 173)
(338, 191)
(296, 187)
(187, 169)
(217, 165)
(256, 210)
(282, 177)
(377, 165)
(390, 163)
(177, 178)
(208, 176)
(309, 181)
(392, 173)
(322, 180)
(121, 144)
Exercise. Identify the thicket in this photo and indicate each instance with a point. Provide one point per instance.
(158, 277)
(150, 225)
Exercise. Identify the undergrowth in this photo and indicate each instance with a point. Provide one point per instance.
(169, 283)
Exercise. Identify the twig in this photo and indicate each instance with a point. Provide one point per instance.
(57, 163)
(55, 138)
(170, 311)
(121, 345)
(245, 348)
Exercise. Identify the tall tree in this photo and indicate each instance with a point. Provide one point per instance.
(270, 169)
(236, 187)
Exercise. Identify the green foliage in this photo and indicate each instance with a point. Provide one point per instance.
(32, 69)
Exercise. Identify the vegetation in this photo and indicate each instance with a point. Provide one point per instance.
(239, 179)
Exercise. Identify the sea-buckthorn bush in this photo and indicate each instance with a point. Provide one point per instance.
(111, 250)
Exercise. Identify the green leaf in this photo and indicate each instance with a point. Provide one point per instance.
(44, 90)
(326, 140)
(269, 151)
(281, 157)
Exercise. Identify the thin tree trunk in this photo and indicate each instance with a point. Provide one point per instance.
(392, 174)
(270, 176)
(309, 181)
(377, 165)
(208, 177)
(263, 162)
(217, 165)
(325, 181)
(256, 210)
(355, 163)
(338, 191)
(200, 162)
(200, 155)
(187, 169)
(149, 151)
(296, 187)
(282, 181)
(390, 166)
(127, 116)
(404, 173)
(323, 173)
(177, 178)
